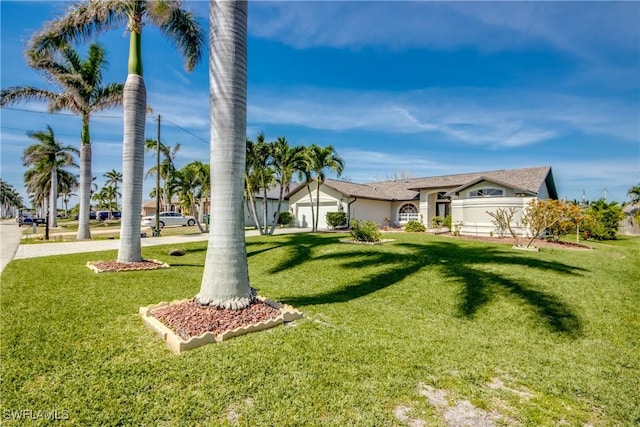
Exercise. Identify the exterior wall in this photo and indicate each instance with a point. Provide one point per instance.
(477, 222)
(300, 205)
(371, 210)
(272, 205)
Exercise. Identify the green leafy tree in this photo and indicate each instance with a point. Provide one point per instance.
(113, 179)
(77, 88)
(167, 168)
(321, 160)
(603, 220)
(90, 18)
(286, 160)
(634, 193)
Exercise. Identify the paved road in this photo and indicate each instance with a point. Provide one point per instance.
(11, 249)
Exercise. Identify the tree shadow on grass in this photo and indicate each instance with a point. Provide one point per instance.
(464, 264)
(300, 248)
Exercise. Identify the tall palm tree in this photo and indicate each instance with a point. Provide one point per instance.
(634, 193)
(82, 93)
(113, 178)
(10, 199)
(323, 159)
(49, 155)
(167, 167)
(225, 281)
(188, 183)
(89, 18)
(260, 175)
(286, 160)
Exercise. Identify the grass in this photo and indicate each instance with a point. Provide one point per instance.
(559, 327)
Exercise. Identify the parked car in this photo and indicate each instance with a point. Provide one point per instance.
(92, 215)
(168, 218)
(27, 220)
(104, 215)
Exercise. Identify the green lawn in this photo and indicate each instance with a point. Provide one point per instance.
(549, 338)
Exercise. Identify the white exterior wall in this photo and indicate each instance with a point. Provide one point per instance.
(371, 210)
(272, 205)
(300, 205)
(477, 222)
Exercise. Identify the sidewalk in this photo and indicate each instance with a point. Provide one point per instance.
(49, 249)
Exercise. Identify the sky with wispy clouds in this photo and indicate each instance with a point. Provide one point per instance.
(412, 88)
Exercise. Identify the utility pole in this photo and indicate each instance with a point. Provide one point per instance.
(156, 229)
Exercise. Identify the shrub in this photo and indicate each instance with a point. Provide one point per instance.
(603, 220)
(285, 218)
(415, 227)
(365, 231)
(447, 221)
(336, 219)
(437, 221)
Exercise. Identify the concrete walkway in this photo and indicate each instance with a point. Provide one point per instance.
(10, 235)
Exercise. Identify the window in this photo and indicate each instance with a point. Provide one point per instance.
(442, 195)
(408, 212)
(486, 192)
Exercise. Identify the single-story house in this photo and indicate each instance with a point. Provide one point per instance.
(466, 197)
(149, 207)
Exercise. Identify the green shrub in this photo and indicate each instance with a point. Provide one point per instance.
(336, 219)
(437, 221)
(447, 221)
(365, 231)
(603, 220)
(415, 227)
(285, 218)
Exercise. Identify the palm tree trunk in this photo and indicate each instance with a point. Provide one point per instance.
(53, 198)
(264, 210)
(134, 109)
(275, 220)
(313, 211)
(225, 281)
(84, 232)
(315, 224)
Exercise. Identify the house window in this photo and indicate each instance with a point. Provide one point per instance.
(486, 192)
(408, 212)
(442, 195)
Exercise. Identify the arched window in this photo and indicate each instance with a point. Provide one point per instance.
(408, 212)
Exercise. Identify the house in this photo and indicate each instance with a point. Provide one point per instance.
(149, 207)
(466, 197)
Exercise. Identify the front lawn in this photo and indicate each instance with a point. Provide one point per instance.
(421, 329)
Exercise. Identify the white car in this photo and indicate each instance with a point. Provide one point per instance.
(168, 218)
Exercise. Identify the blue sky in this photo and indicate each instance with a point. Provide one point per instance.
(418, 88)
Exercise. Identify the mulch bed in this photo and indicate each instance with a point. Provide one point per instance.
(190, 319)
(541, 243)
(115, 266)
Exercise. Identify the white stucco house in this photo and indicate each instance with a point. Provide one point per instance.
(466, 197)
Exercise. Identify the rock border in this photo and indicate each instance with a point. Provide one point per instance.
(96, 269)
(358, 242)
(178, 345)
(526, 248)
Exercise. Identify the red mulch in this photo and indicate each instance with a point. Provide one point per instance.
(115, 266)
(190, 319)
(541, 243)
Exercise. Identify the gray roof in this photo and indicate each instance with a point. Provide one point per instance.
(529, 180)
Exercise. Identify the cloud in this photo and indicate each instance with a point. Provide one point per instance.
(586, 29)
(476, 116)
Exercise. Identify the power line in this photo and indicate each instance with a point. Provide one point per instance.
(24, 110)
(185, 130)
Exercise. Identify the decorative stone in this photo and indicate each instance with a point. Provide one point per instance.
(178, 345)
(116, 267)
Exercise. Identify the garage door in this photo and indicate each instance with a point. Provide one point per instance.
(303, 214)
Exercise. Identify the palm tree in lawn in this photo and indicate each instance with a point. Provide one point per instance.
(251, 182)
(260, 175)
(323, 159)
(113, 178)
(186, 183)
(286, 160)
(225, 281)
(10, 199)
(49, 156)
(167, 167)
(102, 199)
(82, 93)
(111, 194)
(90, 18)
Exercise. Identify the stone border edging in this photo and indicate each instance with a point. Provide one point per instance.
(358, 242)
(178, 345)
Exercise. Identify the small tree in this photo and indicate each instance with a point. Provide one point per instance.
(502, 220)
(415, 227)
(437, 221)
(603, 220)
(284, 218)
(541, 215)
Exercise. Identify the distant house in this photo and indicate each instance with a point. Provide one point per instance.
(466, 197)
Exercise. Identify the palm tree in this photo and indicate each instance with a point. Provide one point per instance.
(260, 175)
(10, 199)
(49, 155)
(82, 93)
(286, 161)
(89, 18)
(323, 159)
(113, 178)
(167, 167)
(225, 281)
(634, 193)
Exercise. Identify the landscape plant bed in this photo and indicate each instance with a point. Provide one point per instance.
(539, 243)
(362, 242)
(115, 266)
(185, 324)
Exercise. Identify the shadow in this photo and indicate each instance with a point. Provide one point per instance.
(300, 249)
(466, 265)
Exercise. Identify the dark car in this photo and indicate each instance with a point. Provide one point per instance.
(27, 220)
(104, 215)
(92, 215)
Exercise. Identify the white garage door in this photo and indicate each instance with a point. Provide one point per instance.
(303, 214)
